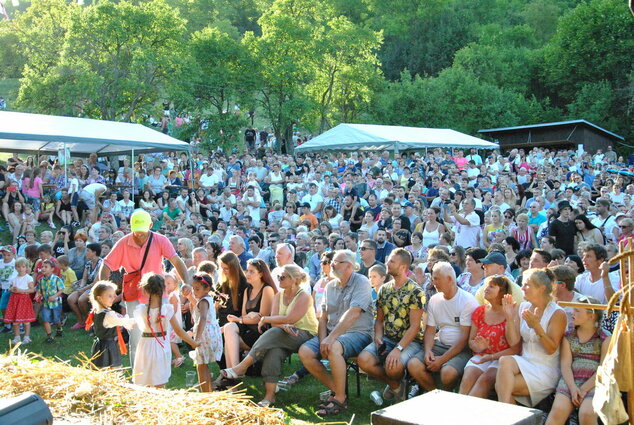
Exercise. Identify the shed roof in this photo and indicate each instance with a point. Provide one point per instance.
(609, 134)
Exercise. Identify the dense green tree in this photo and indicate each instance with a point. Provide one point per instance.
(455, 99)
(593, 42)
(220, 75)
(346, 71)
(112, 62)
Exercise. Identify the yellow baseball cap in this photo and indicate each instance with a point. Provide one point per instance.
(140, 221)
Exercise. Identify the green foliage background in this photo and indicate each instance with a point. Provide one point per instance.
(314, 64)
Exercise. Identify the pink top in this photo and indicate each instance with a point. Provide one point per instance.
(494, 333)
(127, 254)
(33, 192)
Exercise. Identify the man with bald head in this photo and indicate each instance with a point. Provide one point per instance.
(445, 353)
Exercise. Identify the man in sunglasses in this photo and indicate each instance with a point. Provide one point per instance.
(368, 256)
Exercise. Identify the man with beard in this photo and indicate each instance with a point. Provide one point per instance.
(397, 329)
(384, 248)
(345, 328)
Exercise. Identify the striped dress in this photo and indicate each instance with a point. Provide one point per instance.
(586, 357)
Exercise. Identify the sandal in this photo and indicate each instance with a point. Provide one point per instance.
(266, 403)
(291, 380)
(230, 374)
(323, 404)
(333, 408)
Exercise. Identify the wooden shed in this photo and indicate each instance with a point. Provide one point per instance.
(558, 135)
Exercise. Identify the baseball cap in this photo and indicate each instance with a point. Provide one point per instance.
(8, 248)
(494, 258)
(140, 221)
(305, 204)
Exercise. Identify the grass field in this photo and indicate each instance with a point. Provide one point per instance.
(298, 403)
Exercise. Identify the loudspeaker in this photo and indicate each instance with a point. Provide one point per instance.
(26, 409)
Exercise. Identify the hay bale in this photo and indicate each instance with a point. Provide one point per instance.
(105, 396)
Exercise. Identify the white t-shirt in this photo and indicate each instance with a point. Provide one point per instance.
(21, 282)
(467, 234)
(94, 187)
(449, 315)
(608, 227)
(208, 181)
(254, 212)
(313, 200)
(586, 286)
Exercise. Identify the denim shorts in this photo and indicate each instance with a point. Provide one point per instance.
(408, 352)
(52, 315)
(458, 362)
(352, 342)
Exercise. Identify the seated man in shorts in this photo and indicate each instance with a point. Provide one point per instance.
(446, 353)
(345, 326)
(397, 329)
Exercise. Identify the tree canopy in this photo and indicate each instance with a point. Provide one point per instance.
(315, 64)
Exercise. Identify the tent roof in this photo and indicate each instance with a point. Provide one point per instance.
(35, 133)
(352, 137)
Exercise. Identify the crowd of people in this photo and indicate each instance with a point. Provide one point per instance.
(436, 269)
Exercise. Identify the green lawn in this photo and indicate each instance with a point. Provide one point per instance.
(299, 403)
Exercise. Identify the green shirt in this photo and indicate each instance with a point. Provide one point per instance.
(50, 286)
(396, 305)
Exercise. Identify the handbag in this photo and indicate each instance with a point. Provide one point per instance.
(131, 280)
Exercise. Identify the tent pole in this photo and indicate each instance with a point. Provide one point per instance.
(191, 166)
(65, 167)
(133, 173)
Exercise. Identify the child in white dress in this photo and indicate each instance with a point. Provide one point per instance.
(206, 330)
(155, 319)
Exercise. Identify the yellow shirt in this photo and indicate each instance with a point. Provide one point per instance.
(308, 322)
(68, 277)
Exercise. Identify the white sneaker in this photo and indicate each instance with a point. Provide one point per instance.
(26, 340)
(16, 340)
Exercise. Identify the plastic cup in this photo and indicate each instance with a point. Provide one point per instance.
(190, 378)
(375, 396)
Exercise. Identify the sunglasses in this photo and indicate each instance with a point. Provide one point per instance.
(272, 240)
(333, 262)
(366, 248)
(283, 277)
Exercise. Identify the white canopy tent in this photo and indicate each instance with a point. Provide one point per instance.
(47, 134)
(370, 137)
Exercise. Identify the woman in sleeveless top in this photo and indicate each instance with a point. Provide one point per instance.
(523, 233)
(293, 323)
(241, 332)
(276, 184)
(431, 228)
(539, 323)
(493, 227)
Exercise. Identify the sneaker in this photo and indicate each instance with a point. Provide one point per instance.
(78, 326)
(413, 392)
(16, 340)
(59, 333)
(48, 340)
(26, 340)
(52, 225)
(5, 330)
(291, 380)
